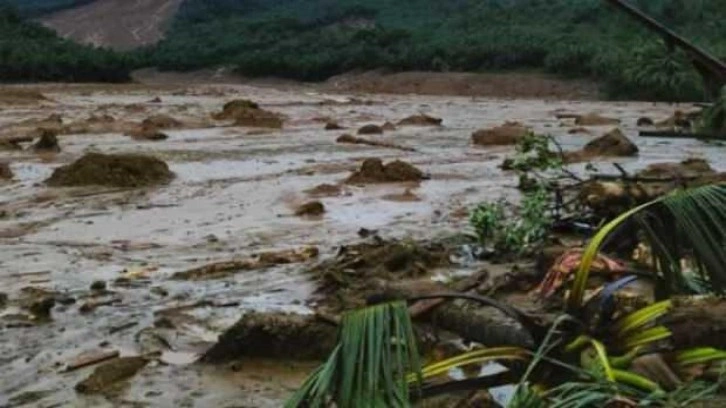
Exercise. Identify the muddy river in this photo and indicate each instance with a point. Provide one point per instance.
(235, 194)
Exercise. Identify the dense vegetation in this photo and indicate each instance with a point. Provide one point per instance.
(31, 52)
(314, 39)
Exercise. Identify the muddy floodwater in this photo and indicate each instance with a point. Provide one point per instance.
(235, 193)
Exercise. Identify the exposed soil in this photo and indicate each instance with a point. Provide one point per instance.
(464, 84)
(117, 24)
(117, 170)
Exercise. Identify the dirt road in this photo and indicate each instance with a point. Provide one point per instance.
(235, 193)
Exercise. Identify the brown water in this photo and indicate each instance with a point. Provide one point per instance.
(240, 187)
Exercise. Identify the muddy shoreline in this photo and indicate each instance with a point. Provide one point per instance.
(235, 195)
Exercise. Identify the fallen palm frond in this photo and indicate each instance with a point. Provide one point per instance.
(368, 368)
(686, 224)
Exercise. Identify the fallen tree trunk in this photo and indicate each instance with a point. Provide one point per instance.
(697, 322)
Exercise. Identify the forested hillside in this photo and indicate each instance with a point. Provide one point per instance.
(31, 52)
(314, 39)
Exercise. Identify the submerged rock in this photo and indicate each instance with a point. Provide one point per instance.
(370, 130)
(5, 172)
(644, 122)
(331, 125)
(325, 190)
(420, 120)
(388, 127)
(161, 122)
(118, 170)
(374, 171)
(48, 141)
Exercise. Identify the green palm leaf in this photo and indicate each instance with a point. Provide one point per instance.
(685, 224)
(368, 369)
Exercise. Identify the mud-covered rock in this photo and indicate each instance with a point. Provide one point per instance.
(233, 108)
(274, 335)
(48, 142)
(332, 125)
(370, 130)
(420, 120)
(118, 170)
(325, 190)
(5, 172)
(111, 373)
(645, 122)
(612, 144)
(249, 114)
(374, 171)
(508, 134)
(388, 127)
(161, 122)
(313, 208)
(594, 119)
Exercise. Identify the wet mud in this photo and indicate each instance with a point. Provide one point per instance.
(232, 202)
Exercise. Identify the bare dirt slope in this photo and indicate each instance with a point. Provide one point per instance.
(118, 24)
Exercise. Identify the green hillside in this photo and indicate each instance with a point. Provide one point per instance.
(29, 52)
(314, 39)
